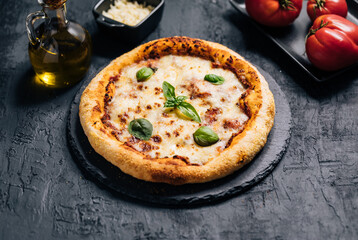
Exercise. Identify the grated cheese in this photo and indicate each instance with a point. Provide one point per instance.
(128, 12)
(145, 100)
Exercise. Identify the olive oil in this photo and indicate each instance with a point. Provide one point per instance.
(62, 59)
(60, 50)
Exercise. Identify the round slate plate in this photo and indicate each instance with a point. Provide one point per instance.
(98, 168)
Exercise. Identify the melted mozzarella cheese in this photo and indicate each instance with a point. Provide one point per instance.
(216, 105)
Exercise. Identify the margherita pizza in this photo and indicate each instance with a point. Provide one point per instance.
(178, 110)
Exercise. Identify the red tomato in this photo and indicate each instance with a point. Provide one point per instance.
(274, 13)
(316, 8)
(332, 43)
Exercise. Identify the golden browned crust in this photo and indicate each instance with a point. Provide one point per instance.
(257, 102)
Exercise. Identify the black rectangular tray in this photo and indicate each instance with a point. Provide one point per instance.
(291, 39)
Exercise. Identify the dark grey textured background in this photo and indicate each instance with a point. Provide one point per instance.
(312, 194)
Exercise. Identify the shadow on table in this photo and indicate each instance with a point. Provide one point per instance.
(257, 41)
(109, 46)
(132, 200)
(30, 90)
(141, 202)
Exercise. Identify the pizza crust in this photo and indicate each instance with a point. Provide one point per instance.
(258, 103)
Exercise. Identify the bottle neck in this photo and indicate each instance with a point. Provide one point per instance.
(56, 16)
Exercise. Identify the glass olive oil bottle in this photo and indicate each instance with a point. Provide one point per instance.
(60, 50)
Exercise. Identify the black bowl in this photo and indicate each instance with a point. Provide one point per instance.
(126, 33)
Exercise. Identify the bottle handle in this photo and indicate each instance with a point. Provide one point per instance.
(30, 21)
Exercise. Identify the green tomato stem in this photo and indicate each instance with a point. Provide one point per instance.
(287, 5)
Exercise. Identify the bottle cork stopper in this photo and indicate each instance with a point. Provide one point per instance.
(53, 3)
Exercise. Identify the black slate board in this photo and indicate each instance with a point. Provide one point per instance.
(99, 169)
(292, 39)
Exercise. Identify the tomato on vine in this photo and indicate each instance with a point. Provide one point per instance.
(332, 43)
(274, 13)
(316, 8)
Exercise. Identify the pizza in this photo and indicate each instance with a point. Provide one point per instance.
(178, 110)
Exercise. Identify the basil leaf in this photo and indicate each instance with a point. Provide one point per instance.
(144, 74)
(170, 103)
(214, 79)
(180, 99)
(205, 136)
(141, 128)
(168, 90)
(178, 102)
(188, 110)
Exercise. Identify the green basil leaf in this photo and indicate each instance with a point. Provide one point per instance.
(188, 110)
(141, 128)
(180, 99)
(205, 136)
(144, 74)
(170, 103)
(168, 90)
(178, 102)
(214, 79)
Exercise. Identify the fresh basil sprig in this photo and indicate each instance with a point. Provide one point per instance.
(179, 102)
(188, 110)
(205, 136)
(141, 128)
(168, 91)
(144, 74)
(214, 79)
